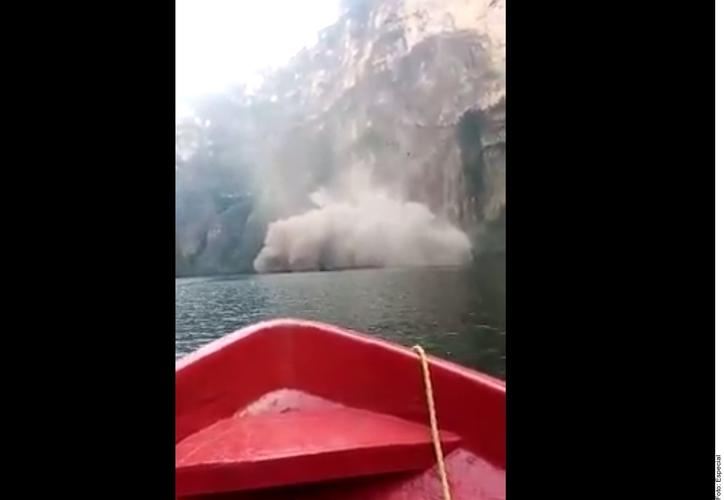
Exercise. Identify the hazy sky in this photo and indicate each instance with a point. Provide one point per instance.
(222, 42)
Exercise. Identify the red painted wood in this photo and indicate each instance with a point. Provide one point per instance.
(287, 364)
(281, 449)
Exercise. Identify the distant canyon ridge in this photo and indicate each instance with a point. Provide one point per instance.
(383, 144)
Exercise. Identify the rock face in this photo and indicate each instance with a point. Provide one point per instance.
(411, 92)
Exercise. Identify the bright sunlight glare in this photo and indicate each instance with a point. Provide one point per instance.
(220, 43)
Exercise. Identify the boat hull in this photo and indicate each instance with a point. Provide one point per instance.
(297, 367)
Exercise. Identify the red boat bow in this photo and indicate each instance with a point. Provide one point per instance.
(299, 409)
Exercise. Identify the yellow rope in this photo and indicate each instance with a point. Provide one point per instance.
(433, 423)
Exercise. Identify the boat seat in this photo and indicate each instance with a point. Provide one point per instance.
(283, 449)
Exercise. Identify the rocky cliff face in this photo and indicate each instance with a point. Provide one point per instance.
(412, 90)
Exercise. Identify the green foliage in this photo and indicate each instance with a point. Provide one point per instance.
(470, 129)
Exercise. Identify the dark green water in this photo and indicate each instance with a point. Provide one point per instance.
(455, 313)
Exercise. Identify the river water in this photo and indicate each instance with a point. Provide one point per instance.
(455, 313)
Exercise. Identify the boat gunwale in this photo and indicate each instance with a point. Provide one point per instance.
(270, 325)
